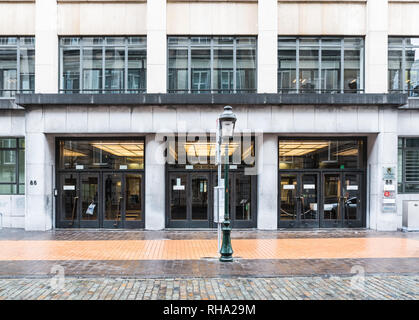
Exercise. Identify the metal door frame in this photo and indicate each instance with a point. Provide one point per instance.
(298, 222)
(322, 223)
(361, 210)
(209, 223)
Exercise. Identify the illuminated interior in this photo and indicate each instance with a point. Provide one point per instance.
(300, 148)
(347, 152)
(72, 153)
(126, 149)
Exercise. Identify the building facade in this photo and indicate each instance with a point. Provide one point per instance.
(108, 112)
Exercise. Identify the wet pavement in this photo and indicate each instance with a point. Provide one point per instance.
(308, 264)
(295, 288)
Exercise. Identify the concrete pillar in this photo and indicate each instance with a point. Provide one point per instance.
(46, 47)
(39, 174)
(267, 162)
(156, 47)
(155, 190)
(267, 64)
(382, 153)
(376, 61)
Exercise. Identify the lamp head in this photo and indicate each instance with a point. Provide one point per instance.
(227, 122)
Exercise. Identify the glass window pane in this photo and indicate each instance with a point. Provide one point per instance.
(21, 166)
(137, 66)
(27, 70)
(92, 70)
(412, 71)
(7, 166)
(352, 74)
(178, 70)
(71, 70)
(114, 70)
(200, 70)
(8, 72)
(8, 143)
(223, 70)
(309, 70)
(395, 70)
(331, 69)
(412, 142)
(8, 189)
(287, 68)
(104, 154)
(246, 70)
(320, 154)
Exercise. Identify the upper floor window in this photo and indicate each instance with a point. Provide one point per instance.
(408, 165)
(320, 65)
(12, 166)
(403, 65)
(211, 64)
(103, 65)
(17, 65)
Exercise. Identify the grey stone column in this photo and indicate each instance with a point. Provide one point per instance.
(154, 184)
(382, 153)
(39, 173)
(268, 183)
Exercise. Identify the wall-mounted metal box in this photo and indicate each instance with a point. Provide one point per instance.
(411, 215)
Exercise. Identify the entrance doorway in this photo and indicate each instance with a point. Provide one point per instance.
(321, 199)
(100, 183)
(322, 182)
(191, 198)
(101, 200)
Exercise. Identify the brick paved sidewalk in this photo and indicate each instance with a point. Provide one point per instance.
(282, 288)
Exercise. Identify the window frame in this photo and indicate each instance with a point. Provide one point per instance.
(318, 45)
(403, 77)
(402, 149)
(211, 46)
(20, 44)
(103, 45)
(17, 165)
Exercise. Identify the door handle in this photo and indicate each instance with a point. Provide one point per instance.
(74, 210)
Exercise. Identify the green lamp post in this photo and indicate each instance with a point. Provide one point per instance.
(227, 122)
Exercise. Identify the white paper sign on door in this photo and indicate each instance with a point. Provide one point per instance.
(352, 188)
(66, 188)
(309, 186)
(289, 187)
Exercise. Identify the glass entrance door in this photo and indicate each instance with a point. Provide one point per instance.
(189, 201)
(79, 200)
(123, 204)
(298, 200)
(96, 200)
(242, 200)
(342, 200)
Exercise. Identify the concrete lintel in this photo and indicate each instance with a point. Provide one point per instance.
(396, 100)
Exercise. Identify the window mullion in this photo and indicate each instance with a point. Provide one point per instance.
(234, 65)
(126, 67)
(319, 80)
(17, 166)
(103, 67)
(403, 75)
(342, 65)
(297, 61)
(81, 67)
(18, 65)
(211, 65)
(189, 66)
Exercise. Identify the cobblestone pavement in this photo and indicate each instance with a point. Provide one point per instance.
(283, 288)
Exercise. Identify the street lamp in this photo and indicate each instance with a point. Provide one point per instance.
(227, 122)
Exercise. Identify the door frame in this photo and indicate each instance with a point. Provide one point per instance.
(298, 222)
(59, 172)
(343, 222)
(322, 223)
(209, 223)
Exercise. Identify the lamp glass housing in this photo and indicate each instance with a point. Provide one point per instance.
(227, 128)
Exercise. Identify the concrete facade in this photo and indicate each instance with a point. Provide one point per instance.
(47, 20)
